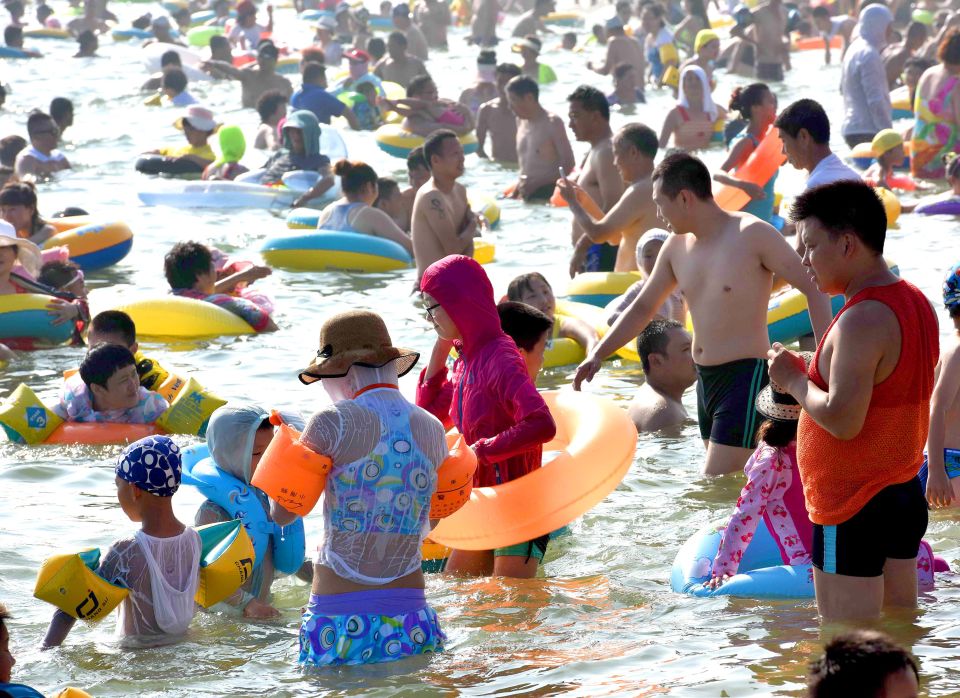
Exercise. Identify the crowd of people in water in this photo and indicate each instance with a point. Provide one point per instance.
(845, 447)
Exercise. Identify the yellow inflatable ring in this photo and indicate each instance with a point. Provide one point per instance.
(96, 245)
(394, 140)
(183, 318)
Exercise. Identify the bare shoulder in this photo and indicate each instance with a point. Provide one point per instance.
(950, 357)
(428, 190)
(867, 321)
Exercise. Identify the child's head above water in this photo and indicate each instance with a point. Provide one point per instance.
(173, 82)
(887, 148)
(64, 276)
(147, 475)
(237, 438)
(648, 248)
(529, 329)
(389, 199)
(113, 327)
(863, 663)
(110, 374)
(189, 265)
(569, 41)
(533, 289)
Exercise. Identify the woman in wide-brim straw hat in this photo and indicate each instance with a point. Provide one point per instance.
(367, 602)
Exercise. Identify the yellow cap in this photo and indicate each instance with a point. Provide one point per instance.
(704, 37)
(886, 140)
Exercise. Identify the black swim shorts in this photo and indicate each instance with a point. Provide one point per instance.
(770, 71)
(889, 526)
(725, 401)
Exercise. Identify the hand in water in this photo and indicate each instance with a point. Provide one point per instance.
(63, 311)
(939, 489)
(716, 582)
(258, 610)
(586, 371)
(786, 366)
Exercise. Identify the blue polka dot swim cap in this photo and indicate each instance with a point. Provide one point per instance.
(951, 287)
(152, 464)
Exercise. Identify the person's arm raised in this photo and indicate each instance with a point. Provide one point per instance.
(637, 315)
(606, 229)
(224, 69)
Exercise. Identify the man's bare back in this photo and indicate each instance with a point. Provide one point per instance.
(599, 178)
(496, 120)
(442, 224)
(623, 49)
(638, 198)
(400, 72)
(770, 25)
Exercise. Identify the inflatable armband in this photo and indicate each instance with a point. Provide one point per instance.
(671, 76)
(190, 411)
(454, 479)
(292, 474)
(669, 55)
(226, 561)
(70, 583)
(152, 374)
(25, 419)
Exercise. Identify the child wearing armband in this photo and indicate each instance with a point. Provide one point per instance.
(489, 397)
(367, 603)
(160, 563)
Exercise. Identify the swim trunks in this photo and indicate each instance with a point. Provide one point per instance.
(365, 627)
(535, 548)
(601, 257)
(770, 71)
(951, 462)
(725, 401)
(889, 526)
(542, 194)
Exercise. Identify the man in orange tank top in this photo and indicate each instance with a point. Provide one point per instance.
(865, 403)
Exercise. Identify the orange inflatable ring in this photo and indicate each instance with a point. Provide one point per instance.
(292, 474)
(454, 478)
(811, 43)
(758, 169)
(99, 433)
(596, 440)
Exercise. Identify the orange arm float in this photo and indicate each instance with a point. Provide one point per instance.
(454, 478)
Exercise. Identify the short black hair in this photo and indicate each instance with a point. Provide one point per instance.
(174, 79)
(376, 47)
(654, 339)
(591, 99)
(218, 39)
(102, 361)
(313, 71)
(821, 11)
(10, 147)
(641, 137)
(268, 103)
(397, 36)
(12, 33)
(523, 85)
(416, 159)
(523, 323)
(60, 106)
(434, 143)
(805, 114)
(36, 121)
(511, 69)
(170, 58)
(848, 206)
(387, 187)
(115, 322)
(185, 262)
(58, 273)
(417, 84)
(267, 49)
(679, 171)
(857, 664)
(519, 284)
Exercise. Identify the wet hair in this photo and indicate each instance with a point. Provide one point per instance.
(523, 283)
(397, 36)
(416, 86)
(523, 323)
(185, 262)
(353, 175)
(142, 22)
(10, 147)
(679, 171)
(70, 211)
(218, 40)
(170, 58)
(58, 273)
(591, 99)
(857, 664)
(22, 194)
(821, 12)
(622, 69)
(744, 99)
(654, 339)
(511, 69)
(641, 137)
(115, 322)
(43, 13)
(387, 188)
(12, 34)
(377, 48)
(416, 159)
(267, 49)
(921, 29)
(918, 62)
(312, 54)
(102, 361)
(174, 79)
(805, 114)
(268, 103)
(313, 72)
(59, 107)
(523, 85)
(778, 433)
(845, 207)
(434, 143)
(948, 51)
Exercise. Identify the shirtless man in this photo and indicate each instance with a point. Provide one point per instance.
(497, 118)
(416, 41)
(254, 80)
(542, 144)
(443, 223)
(41, 158)
(664, 349)
(399, 66)
(418, 174)
(866, 402)
(434, 18)
(769, 29)
(590, 122)
(485, 88)
(829, 27)
(621, 49)
(532, 22)
(483, 28)
(634, 150)
(723, 264)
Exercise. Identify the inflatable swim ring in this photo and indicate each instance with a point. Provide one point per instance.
(200, 36)
(394, 140)
(68, 222)
(8, 52)
(182, 318)
(292, 474)
(70, 583)
(596, 441)
(228, 195)
(811, 43)
(308, 218)
(96, 245)
(25, 315)
(763, 162)
(600, 287)
(596, 318)
(47, 33)
(564, 19)
(939, 206)
(862, 155)
(900, 102)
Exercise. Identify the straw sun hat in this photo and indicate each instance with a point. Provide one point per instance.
(355, 337)
(774, 402)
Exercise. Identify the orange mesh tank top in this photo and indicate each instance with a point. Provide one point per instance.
(840, 477)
